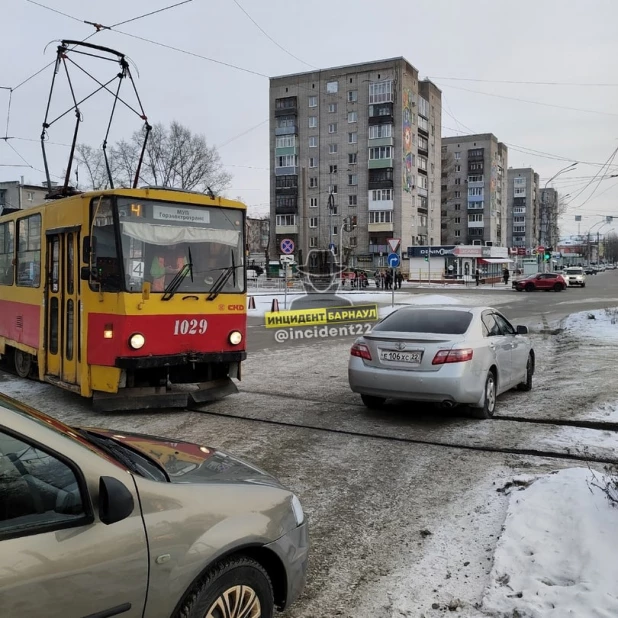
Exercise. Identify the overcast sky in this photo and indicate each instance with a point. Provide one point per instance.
(565, 41)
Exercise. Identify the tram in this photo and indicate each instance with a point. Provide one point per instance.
(135, 298)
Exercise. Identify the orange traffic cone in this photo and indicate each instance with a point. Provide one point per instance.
(275, 306)
(251, 302)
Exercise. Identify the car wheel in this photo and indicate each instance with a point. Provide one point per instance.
(530, 287)
(489, 405)
(527, 385)
(583, 285)
(558, 287)
(237, 587)
(23, 364)
(373, 403)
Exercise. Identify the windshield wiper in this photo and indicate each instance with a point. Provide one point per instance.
(223, 278)
(176, 282)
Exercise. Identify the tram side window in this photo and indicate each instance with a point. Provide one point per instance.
(7, 243)
(29, 251)
(105, 257)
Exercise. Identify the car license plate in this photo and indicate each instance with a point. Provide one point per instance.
(401, 357)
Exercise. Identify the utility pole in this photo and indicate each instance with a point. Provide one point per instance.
(305, 221)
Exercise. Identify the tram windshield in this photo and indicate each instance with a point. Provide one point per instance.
(158, 239)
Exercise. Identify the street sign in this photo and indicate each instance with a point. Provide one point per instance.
(540, 250)
(331, 247)
(533, 252)
(286, 259)
(287, 246)
(393, 260)
(394, 243)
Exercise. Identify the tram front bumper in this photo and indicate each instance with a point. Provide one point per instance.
(156, 397)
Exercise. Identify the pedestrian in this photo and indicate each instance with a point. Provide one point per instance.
(505, 275)
(399, 279)
(477, 276)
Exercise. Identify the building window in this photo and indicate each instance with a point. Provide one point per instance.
(332, 108)
(457, 156)
(423, 144)
(313, 222)
(332, 87)
(352, 117)
(476, 178)
(287, 103)
(457, 206)
(519, 209)
(313, 241)
(380, 216)
(380, 152)
(332, 128)
(457, 193)
(422, 163)
(286, 121)
(519, 219)
(334, 210)
(285, 141)
(332, 189)
(313, 161)
(381, 92)
(285, 220)
(457, 220)
(457, 181)
(475, 191)
(423, 124)
(313, 182)
(313, 202)
(352, 158)
(332, 148)
(476, 205)
(352, 241)
(7, 241)
(352, 96)
(352, 180)
(313, 142)
(352, 200)
(458, 168)
(378, 131)
(519, 228)
(475, 153)
(423, 183)
(475, 218)
(352, 138)
(382, 195)
(332, 169)
(313, 122)
(457, 233)
(313, 101)
(520, 191)
(334, 232)
(286, 161)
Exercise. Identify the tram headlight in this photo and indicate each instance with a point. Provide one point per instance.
(137, 341)
(235, 337)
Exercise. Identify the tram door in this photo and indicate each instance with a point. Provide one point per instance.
(63, 343)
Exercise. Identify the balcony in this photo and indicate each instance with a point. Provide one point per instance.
(286, 171)
(375, 164)
(380, 179)
(287, 130)
(380, 227)
(475, 224)
(377, 249)
(288, 150)
(286, 185)
(423, 192)
(286, 230)
(285, 107)
(381, 113)
(476, 154)
(286, 206)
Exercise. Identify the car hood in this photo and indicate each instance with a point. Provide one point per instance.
(186, 462)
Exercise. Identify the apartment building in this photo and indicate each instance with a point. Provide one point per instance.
(17, 194)
(548, 218)
(474, 189)
(523, 208)
(358, 145)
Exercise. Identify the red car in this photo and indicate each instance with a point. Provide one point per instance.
(541, 281)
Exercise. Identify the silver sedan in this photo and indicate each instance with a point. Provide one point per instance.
(445, 355)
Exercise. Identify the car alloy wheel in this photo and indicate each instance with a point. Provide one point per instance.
(530, 287)
(236, 602)
(527, 385)
(489, 403)
(558, 287)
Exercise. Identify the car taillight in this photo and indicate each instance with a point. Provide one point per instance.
(361, 350)
(452, 356)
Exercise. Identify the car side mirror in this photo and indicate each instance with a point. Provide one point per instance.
(522, 330)
(115, 500)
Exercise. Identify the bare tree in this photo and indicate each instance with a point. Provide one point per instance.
(91, 166)
(175, 157)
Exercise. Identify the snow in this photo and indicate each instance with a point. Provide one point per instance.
(557, 555)
(603, 328)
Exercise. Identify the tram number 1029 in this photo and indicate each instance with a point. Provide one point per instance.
(190, 327)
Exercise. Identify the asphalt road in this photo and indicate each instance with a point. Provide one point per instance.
(534, 308)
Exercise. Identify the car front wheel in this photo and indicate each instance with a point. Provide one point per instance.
(527, 385)
(489, 405)
(530, 287)
(558, 287)
(237, 587)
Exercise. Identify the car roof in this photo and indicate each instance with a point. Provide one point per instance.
(461, 308)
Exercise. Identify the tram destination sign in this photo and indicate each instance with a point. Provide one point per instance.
(180, 214)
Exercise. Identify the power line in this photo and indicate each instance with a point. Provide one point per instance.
(241, 134)
(613, 155)
(55, 11)
(500, 96)
(289, 53)
(508, 81)
(165, 8)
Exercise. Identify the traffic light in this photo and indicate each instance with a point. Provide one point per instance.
(547, 254)
(426, 258)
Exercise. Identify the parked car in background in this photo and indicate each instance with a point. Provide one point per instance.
(445, 355)
(575, 276)
(541, 281)
(590, 270)
(104, 523)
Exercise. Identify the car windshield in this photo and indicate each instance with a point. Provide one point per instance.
(158, 239)
(436, 321)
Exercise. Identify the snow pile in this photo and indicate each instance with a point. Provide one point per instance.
(557, 556)
(601, 324)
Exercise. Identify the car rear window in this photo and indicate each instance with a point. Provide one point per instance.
(574, 271)
(426, 321)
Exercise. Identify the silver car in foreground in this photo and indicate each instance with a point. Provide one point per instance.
(99, 523)
(446, 355)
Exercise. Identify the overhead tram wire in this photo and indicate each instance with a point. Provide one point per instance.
(165, 8)
(289, 53)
